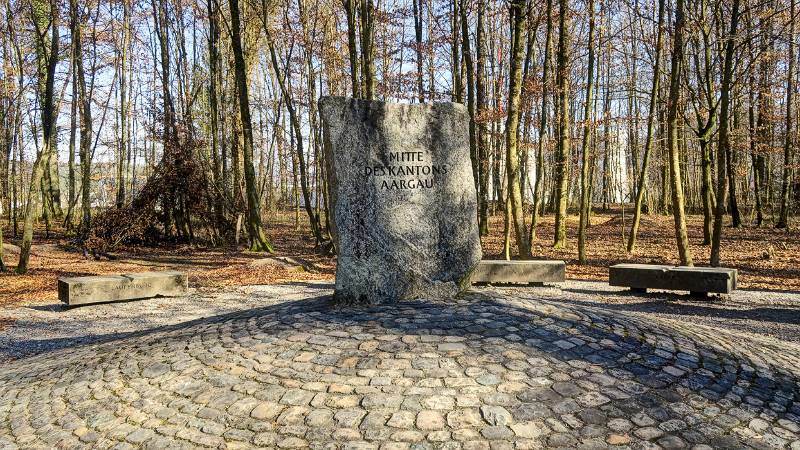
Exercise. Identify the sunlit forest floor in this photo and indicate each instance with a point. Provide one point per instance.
(766, 258)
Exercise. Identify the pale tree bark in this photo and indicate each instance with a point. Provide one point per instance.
(258, 239)
(673, 104)
(586, 204)
(518, 18)
(641, 185)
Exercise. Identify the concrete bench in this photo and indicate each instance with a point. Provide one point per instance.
(696, 280)
(113, 288)
(518, 272)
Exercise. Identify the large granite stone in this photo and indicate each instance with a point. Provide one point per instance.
(113, 288)
(403, 202)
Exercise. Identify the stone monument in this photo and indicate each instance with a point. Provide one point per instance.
(402, 199)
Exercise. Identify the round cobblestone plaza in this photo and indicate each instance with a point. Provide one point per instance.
(499, 368)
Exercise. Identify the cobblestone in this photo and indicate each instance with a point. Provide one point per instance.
(499, 368)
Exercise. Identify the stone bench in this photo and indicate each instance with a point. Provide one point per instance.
(114, 288)
(518, 272)
(696, 280)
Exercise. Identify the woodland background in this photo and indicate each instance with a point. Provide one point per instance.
(189, 126)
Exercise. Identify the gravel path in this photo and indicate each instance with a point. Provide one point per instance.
(41, 327)
(499, 368)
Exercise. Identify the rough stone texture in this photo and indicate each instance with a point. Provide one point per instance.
(378, 375)
(677, 278)
(113, 288)
(518, 272)
(403, 200)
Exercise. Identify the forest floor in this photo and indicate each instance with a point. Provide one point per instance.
(767, 259)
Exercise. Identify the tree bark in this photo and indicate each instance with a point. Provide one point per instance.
(518, 18)
(482, 141)
(48, 129)
(563, 145)
(641, 186)
(724, 135)
(473, 144)
(678, 213)
(587, 125)
(783, 216)
(258, 239)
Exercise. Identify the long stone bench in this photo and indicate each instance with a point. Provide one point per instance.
(113, 288)
(518, 272)
(696, 280)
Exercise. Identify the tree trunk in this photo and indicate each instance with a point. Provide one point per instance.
(473, 145)
(587, 124)
(684, 251)
(352, 47)
(724, 135)
(641, 186)
(482, 141)
(563, 145)
(258, 240)
(48, 129)
(85, 121)
(367, 49)
(417, 10)
(783, 216)
(518, 18)
(123, 104)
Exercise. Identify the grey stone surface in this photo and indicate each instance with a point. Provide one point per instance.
(242, 379)
(112, 288)
(677, 278)
(403, 200)
(518, 272)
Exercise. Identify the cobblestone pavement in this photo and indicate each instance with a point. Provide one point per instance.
(499, 368)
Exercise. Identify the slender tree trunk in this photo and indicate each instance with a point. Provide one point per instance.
(48, 129)
(352, 46)
(783, 216)
(518, 18)
(673, 104)
(482, 136)
(417, 10)
(537, 184)
(724, 135)
(473, 145)
(73, 128)
(587, 121)
(213, 86)
(641, 186)
(455, 36)
(258, 239)
(563, 146)
(85, 121)
(367, 49)
(123, 104)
